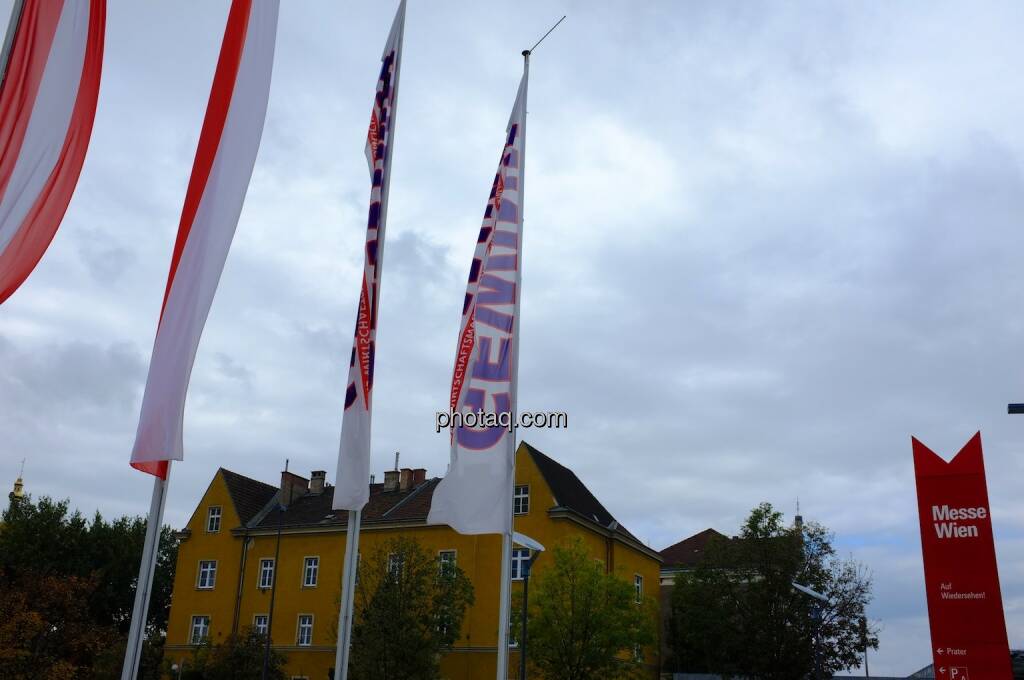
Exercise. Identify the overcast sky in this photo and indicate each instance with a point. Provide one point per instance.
(764, 245)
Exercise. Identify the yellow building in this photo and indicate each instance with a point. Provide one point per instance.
(226, 559)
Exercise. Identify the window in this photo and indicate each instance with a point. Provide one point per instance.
(638, 587)
(207, 574)
(213, 519)
(446, 561)
(310, 572)
(520, 557)
(266, 573)
(200, 629)
(521, 500)
(394, 564)
(305, 636)
(259, 624)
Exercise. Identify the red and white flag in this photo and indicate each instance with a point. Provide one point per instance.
(47, 107)
(220, 177)
(352, 491)
(475, 497)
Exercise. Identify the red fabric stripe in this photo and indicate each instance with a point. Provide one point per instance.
(37, 231)
(25, 66)
(213, 126)
(157, 468)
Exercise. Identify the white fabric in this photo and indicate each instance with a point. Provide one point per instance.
(475, 497)
(159, 435)
(51, 116)
(351, 491)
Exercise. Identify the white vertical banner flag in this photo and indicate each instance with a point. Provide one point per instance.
(475, 496)
(216, 191)
(351, 491)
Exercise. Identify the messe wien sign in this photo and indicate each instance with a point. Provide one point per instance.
(965, 608)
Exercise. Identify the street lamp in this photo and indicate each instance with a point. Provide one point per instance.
(535, 550)
(816, 617)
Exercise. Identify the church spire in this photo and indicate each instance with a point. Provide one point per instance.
(18, 492)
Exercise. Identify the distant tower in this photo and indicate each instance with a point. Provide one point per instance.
(18, 492)
(798, 521)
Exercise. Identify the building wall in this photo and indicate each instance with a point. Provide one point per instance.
(187, 599)
(479, 556)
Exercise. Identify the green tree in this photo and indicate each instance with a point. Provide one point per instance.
(738, 614)
(239, 657)
(45, 543)
(408, 609)
(585, 623)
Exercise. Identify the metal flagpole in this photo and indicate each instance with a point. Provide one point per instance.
(351, 563)
(273, 577)
(506, 539)
(144, 585)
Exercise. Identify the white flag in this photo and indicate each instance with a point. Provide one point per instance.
(216, 191)
(352, 482)
(51, 82)
(475, 497)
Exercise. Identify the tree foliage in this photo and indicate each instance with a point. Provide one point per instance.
(239, 657)
(585, 623)
(67, 586)
(738, 613)
(408, 609)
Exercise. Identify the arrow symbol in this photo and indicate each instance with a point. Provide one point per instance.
(939, 651)
(942, 669)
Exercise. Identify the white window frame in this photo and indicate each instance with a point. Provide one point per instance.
(521, 501)
(205, 628)
(210, 517)
(298, 631)
(441, 561)
(395, 563)
(273, 571)
(638, 588)
(266, 624)
(212, 573)
(306, 561)
(520, 556)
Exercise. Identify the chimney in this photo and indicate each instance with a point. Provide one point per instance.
(292, 486)
(419, 475)
(405, 480)
(373, 479)
(390, 480)
(317, 478)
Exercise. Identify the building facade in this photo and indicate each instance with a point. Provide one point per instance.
(226, 560)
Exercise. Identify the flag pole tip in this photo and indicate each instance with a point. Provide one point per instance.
(526, 53)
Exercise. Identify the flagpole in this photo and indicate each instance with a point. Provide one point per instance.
(144, 585)
(351, 563)
(506, 539)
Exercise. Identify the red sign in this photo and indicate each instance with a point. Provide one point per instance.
(965, 607)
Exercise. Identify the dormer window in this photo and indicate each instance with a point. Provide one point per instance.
(213, 519)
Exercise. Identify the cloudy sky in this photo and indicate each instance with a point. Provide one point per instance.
(764, 245)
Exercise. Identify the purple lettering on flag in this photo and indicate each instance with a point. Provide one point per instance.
(495, 290)
(500, 370)
(483, 438)
(503, 322)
